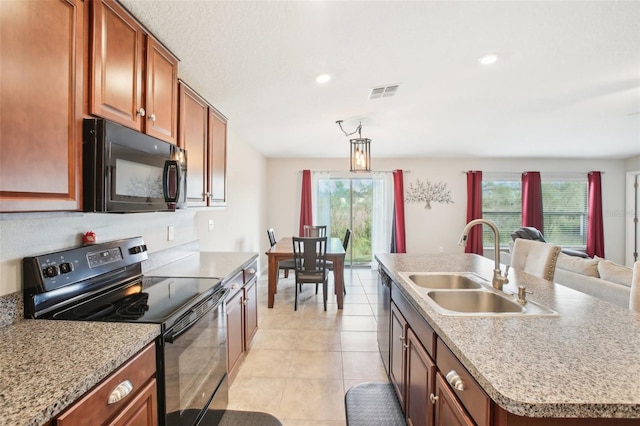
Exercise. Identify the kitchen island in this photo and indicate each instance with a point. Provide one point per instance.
(583, 363)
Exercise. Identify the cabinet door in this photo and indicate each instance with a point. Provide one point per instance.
(41, 104)
(251, 310)
(193, 137)
(116, 77)
(142, 411)
(421, 372)
(161, 95)
(449, 411)
(397, 364)
(235, 326)
(217, 158)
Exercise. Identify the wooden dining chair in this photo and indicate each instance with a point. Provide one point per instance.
(310, 258)
(315, 231)
(283, 265)
(345, 244)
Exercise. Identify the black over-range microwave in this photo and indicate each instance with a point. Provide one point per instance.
(127, 171)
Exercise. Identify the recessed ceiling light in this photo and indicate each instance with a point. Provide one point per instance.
(323, 78)
(488, 59)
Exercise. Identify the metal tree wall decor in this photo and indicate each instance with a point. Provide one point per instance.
(427, 192)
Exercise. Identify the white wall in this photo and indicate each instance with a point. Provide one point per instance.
(428, 230)
(238, 227)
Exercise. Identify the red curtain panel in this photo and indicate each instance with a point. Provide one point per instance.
(595, 230)
(306, 214)
(398, 195)
(474, 211)
(532, 201)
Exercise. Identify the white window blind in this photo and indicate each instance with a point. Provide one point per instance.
(564, 201)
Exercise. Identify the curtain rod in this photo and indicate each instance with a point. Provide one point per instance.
(354, 173)
(516, 173)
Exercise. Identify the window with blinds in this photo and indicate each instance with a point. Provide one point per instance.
(564, 201)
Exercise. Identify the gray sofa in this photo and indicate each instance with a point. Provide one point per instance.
(597, 277)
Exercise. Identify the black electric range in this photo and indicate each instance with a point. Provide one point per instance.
(104, 282)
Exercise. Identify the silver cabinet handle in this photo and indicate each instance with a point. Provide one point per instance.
(234, 286)
(141, 112)
(120, 392)
(401, 338)
(152, 117)
(251, 271)
(433, 398)
(455, 380)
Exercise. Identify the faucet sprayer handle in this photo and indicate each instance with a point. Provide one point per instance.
(506, 271)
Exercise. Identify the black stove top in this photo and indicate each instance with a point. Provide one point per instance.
(104, 282)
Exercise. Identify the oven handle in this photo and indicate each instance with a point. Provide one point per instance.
(218, 298)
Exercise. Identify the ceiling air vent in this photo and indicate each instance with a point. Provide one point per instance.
(383, 91)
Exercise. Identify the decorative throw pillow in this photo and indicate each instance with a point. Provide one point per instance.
(578, 265)
(613, 272)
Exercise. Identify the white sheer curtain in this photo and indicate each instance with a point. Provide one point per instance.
(320, 182)
(381, 214)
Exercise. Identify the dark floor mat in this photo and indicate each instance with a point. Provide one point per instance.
(373, 404)
(226, 418)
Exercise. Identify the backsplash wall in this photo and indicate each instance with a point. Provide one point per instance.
(34, 236)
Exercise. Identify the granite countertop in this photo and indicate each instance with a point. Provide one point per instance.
(585, 362)
(47, 365)
(205, 265)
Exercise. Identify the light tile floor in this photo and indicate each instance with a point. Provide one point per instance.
(302, 362)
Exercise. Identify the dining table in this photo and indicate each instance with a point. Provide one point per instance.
(283, 250)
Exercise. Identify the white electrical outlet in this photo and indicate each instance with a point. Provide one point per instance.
(169, 233)
(210, 224)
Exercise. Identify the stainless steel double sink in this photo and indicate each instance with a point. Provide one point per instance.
(468, 294)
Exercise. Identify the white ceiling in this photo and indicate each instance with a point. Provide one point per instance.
(567, 83)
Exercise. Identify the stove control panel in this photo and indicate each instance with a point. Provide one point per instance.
(52, 271)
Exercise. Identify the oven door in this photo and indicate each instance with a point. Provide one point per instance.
(195, 363)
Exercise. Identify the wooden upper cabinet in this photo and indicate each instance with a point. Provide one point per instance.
(134, 79)
(203, 133)
(41, 104)
(161, 92)
(193, 136)
(217, 158)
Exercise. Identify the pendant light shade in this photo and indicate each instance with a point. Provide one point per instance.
(360, 155)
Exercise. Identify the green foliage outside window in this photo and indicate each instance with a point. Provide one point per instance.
(564, 208)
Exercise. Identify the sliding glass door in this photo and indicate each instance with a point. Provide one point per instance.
(360, 203)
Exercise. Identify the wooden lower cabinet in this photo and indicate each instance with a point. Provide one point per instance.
(420, 376)
(411, 370)
(235, 331)
(251, 310)
(397, 361)
(448, 409)
(138, 406)
(242, 315)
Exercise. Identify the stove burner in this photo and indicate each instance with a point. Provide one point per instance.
(90, 312)
(133, 306)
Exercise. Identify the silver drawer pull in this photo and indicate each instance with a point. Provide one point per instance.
(455, 380)
(120, 392)
(234, 286)
(251, 271)
(433, 398)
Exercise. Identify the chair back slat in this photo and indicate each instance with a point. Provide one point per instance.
(315, 230)
(272, 236)
(347, 237)
(310, 255)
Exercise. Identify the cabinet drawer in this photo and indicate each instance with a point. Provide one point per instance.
(94, 407)
(473, 398)
(250, 271)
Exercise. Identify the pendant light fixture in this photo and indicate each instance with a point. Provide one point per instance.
(360, 154)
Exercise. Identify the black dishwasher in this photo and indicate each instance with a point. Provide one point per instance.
(384, 316)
